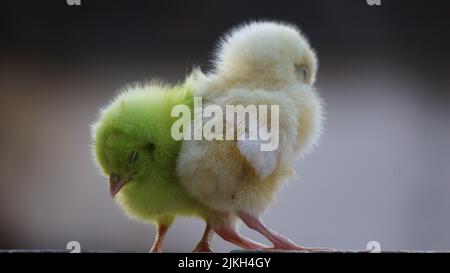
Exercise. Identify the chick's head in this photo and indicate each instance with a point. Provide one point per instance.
(266, 55)
(131, 139)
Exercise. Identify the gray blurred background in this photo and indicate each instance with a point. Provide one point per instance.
(382, 171)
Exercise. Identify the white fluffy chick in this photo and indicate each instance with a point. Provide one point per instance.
(261, 63)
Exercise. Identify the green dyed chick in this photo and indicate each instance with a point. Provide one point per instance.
(133, 147)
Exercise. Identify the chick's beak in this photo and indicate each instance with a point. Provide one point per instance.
(116, 184)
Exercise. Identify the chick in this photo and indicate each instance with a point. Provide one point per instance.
(261, 63)
(132, 145)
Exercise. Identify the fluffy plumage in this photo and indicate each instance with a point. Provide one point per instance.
(137, 123)
(157, 178)
(256, 64)
(262, 63)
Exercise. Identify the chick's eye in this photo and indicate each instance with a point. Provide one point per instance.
(114, 178)
(303, 72)
(134, 157)
(150, 147)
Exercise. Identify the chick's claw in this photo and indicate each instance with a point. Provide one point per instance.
(202, 248)
(231, 235)
(301, 249)
(279, 241)
(204, 244)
